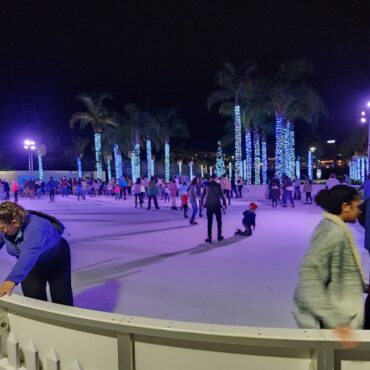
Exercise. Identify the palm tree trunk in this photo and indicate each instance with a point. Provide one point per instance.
(133, 166)
(79, 167)
(238, 141)
(257, 158)
(279, 146)
(98, 155)
(264, 160)
(117, 161)
(149, 158)
(41, 168)
(137, 160)
(167, 160)
(248, 156)
(109, 169)
(291, 149)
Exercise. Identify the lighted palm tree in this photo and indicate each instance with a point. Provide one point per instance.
(232, 83)
(291, 99)
(99, 118)
(171, 125)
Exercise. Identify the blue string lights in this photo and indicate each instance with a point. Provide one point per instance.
(41, 168)
(167, 161)
(264, 160)
(238, 142)
(248, 155)
(117, 161)
(149, 158)
(279, 146)
(98, 155)
(257, 158)
(79, 167)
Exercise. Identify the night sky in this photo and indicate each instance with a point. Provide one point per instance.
(167, 53)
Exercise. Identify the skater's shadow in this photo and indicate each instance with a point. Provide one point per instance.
(206, 247)
(102, 298)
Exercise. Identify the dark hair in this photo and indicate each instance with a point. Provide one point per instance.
(331, 200)
(194, 181)
(10, 211)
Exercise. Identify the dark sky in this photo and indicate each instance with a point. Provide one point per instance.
(168, 52)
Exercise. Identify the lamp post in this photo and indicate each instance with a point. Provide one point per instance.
(365, 119)
(30, 146)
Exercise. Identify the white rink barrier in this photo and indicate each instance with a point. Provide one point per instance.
(41, 335)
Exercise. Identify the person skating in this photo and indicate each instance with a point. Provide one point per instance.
(172, 189)
(15, 189)
(184, 204)
(52, 185)
(331, 279)
(193, 196)
(287, 186)
(152, 193)
(226, 187)
(307, 188)
(139, 191)
(274, 192)
(249, 220)
(211, 198)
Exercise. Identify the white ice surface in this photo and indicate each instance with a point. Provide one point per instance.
(153, 263)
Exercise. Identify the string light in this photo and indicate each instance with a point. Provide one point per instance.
(190, 164)
(201, 171)
(309, 164)
(257, 158)
(98, 156)
(41, 169)
(179, 162)
(279, 146)
(244, 168)
(291, 151)
(248, 155)
(167, 161)
(149, 158)
(79, 167)
(220, 168)
(298, 167)
(137, 160)
(109, 169)
(133, 168)
(211, 170)
(238, 142)
(363, 164)
(264, 160)
(117, 161)
(230, 170)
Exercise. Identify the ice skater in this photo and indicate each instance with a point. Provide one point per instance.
(184, 204)
(249, 220)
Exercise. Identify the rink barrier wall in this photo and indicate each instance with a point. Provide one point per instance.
(36, 334)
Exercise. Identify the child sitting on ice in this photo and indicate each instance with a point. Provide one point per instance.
(249, 220)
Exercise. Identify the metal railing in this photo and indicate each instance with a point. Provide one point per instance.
(40, 335)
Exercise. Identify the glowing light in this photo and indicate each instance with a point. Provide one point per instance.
(98, 155)
(133, 168)
(179, 163)
(190, 164)
(230, 170)
(149, 158)
(309, 165)
(137, 160)
(167, 161)
(117, 161)
(330, 141)
(41, 169)
(298, 167)
(368, 104)
(109, 169)
(220, 168)
(211, 170)
(363, 120)
(257, 158)
(363, 113)
(363, 167)
(264, 160)
(291, 150)
(244, 168)
(248, 157)
(279, 146)
(238, 142)
(318, 173)
(201, 171)
(79, 167)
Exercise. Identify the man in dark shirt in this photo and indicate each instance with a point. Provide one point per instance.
(211, 199)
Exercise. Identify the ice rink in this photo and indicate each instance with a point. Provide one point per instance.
(153, 263)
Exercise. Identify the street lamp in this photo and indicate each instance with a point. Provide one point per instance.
(364, 119)
(30, 146)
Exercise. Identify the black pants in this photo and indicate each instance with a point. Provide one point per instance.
(123, 192)
(227, 195)
(297, 193)
(16, 196)
(57, 273)
(52, 194)
(154, 197)
(234, 190)
(185, 207)
(140, 197)
(240, 188)
(210, 212)
(308, 197)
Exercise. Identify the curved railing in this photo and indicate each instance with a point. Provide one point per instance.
(36, 334)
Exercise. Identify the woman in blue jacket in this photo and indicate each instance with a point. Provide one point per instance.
(43, 256)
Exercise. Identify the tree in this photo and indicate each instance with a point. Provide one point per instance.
(77, 151)
(292, 98)
(220, 168)
(171, 125)
(98, 117)
(233, 82)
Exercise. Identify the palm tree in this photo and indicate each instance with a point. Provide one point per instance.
(98, 117)
(171, 125)
(292, 98)
(232, 83)
(77, 151)
(140, 125)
